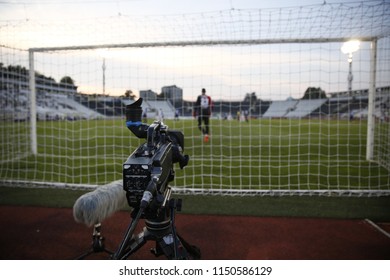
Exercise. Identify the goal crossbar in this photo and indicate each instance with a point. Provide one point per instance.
(205, 43)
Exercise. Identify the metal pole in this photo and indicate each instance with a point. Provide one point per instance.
(104, 75)
(350, 76)
(206, 43)
(33, 107)
(371, 103)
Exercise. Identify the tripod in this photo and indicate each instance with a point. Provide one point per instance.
(161, 229)
(97, 243)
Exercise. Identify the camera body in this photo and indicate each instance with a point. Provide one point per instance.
(141, 167)
(149, 168)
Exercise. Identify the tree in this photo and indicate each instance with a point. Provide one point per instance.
(129, 94)
(314, 93)
(251, 98)
(67, 80)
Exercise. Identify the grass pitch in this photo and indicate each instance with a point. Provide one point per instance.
(258, 155)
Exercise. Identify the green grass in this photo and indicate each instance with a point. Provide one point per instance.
(262, 154)
(374, 208)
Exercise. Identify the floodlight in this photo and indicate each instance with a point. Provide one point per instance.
(350, 46)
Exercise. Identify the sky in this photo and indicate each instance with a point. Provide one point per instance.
(272, 71)
(67, 9)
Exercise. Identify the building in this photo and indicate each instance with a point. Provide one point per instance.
(172, 93)
(148, 94)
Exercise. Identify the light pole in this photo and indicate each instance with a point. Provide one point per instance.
(104, 75)
(349, 48)
(103, 53)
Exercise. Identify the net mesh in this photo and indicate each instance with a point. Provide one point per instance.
(257, 65)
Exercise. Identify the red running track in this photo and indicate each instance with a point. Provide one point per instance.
(52, 234)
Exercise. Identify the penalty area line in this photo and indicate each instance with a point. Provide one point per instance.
(377, 227)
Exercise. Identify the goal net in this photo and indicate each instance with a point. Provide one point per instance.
(292, 113)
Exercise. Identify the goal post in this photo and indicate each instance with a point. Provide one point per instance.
(372, 89)
(33, 104)
(371, 103)
(236, 44)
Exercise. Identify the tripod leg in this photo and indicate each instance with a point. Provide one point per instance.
(98, 240)
(193, 251)
(175, 250)
(97, 243)
(134, 244)
(125, 248)
(86, 254)
(181, 248)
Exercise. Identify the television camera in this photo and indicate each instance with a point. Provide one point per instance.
(146, 174)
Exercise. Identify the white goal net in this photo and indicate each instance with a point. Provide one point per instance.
(292, 113)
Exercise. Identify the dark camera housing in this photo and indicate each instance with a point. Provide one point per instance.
(151, 164)
(139, 170)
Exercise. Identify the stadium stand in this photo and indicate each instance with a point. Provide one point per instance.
(279, 109)
(50, 106)
(304, 108)
(342, 107)
(153, 107)
(13, 106)
(53, 104)
(255, 108)
(105, 105)
(60, 106)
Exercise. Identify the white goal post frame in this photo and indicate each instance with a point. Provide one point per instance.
(372, 82)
